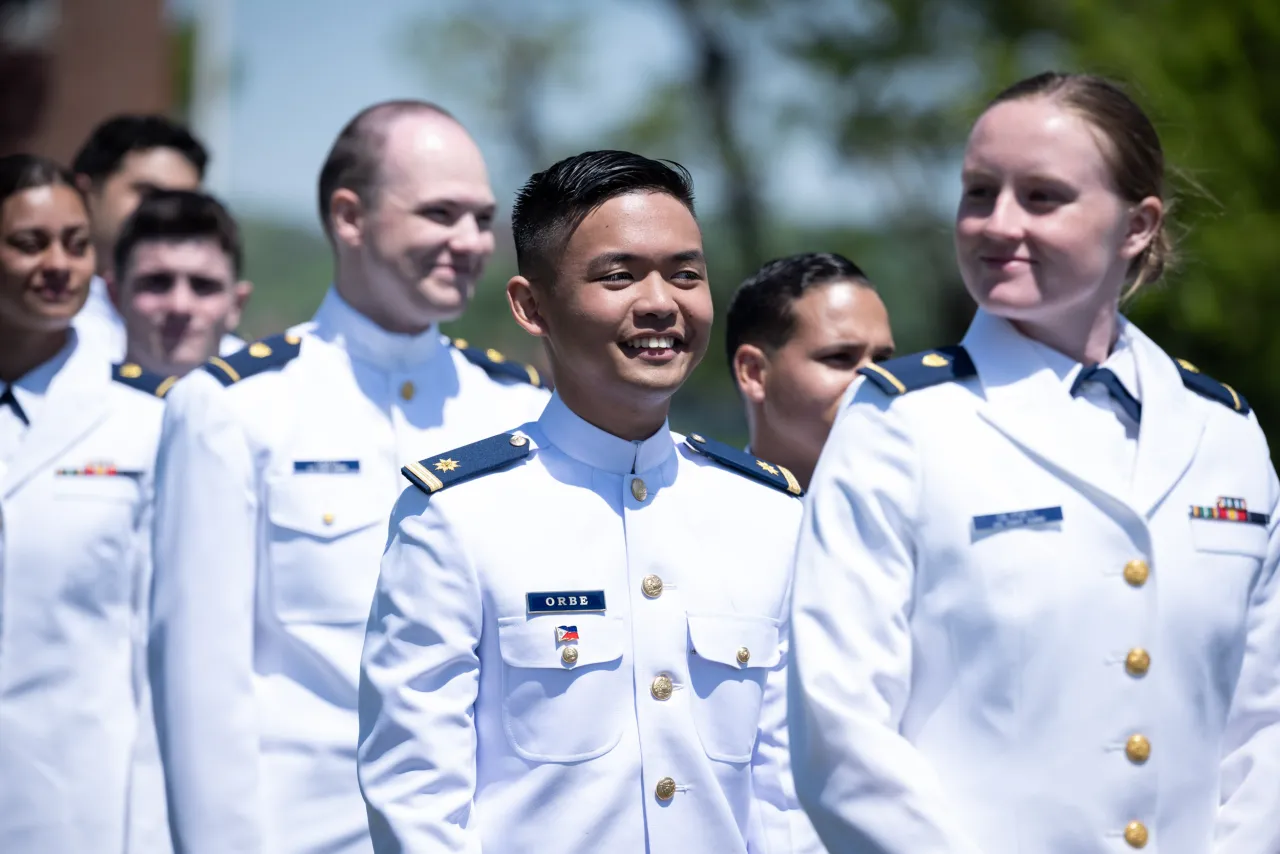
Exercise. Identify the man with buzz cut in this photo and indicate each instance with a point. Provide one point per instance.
(579, 638)
(277, 470)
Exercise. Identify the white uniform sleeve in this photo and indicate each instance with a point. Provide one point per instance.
(419, 678)
(1247, 818)
(202, 638)
(865, 787)
(148, 824)
(781, 826)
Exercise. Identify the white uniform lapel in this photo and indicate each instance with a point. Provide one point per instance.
(1171, 429)
(1033, 410)
(76, 402)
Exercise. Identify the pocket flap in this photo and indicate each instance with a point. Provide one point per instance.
(1217, 535)
(324, 506)
(531, 641)
(722, 637)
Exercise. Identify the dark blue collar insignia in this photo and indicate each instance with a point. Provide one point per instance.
(496, 365)
(757, 469)
(921, 370)
(1205, 386)
(435, 473)
(135, 376)
(274, 352)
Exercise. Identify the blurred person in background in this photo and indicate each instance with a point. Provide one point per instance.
(1036, 601)
(123, 159)
(177, 280)
(276, 476)
(796, 333)
(77, 445)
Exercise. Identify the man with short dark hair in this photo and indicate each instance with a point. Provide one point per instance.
(579, 638)
(797, 332)
(123, 159)
(276, 475)
(177, 280)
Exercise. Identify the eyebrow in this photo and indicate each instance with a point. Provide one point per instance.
(610, 258)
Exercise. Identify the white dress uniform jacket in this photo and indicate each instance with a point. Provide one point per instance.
(274, 494)
(101, 327)
(1004, 645)
(583, 653)
(75, 510)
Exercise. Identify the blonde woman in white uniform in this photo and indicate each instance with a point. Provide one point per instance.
(1036, 595)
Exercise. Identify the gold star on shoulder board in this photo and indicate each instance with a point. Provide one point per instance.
(446, 465)
(770, 469)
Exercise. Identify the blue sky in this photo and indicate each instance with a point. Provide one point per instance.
(306, 67)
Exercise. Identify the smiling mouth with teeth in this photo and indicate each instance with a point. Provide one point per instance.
(654, 342)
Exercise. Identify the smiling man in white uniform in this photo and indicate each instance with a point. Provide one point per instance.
(277, 471)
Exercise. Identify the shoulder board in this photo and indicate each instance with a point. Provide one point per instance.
(921, 370)
(135, 376)
(779, 477)
(435, 473)
(496, 365)
(1206, 386)
(273, 352)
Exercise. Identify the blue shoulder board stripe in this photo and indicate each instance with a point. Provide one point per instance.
(274, 352)
(435, 473)
(135, 376)
(779, 477)
(496, 365)
(911, 373)
(1206, 386)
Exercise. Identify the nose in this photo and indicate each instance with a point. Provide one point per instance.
(468, 237)
(1005, 221)
(655, 297)
(182, 298)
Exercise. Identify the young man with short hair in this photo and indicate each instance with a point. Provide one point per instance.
(579, 637)
(177, 280)
(797, 332)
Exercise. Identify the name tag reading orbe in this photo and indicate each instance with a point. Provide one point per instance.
(565, 602)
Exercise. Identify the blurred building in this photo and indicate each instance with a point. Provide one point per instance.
(68, 64)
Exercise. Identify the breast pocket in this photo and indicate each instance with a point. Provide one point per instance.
(99, 549)
(729, 659)
(559, 707)
(325, 544)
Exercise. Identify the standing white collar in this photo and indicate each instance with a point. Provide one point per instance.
(365, 340)
(599, 449)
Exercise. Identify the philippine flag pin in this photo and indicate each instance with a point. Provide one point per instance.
(564, 634)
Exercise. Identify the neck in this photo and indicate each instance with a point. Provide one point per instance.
(772, 448)
(354, 289)
(25, 350)
(1087, 335)
(632, 420)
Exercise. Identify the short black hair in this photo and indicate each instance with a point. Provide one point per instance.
(554, 202)
(760, 311)
(19, 172)
(113, 140)
(355, 159)
(174, 216)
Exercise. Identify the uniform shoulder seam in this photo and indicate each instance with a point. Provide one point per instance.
(1207, 387)
(434, 473)
(266, 354)
(740, 462)
(497, 365)
(920, 370)
(137, 377)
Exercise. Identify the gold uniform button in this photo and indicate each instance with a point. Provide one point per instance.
(651, 586)
(1135, 833)
(327, 518)
(569, 655)
(638, 489)
(666, 789)
(1136, 572)
(1137, 662)
(519, 441)
(661, 687)
(1138, 749)
(406, 390)
(744, 655)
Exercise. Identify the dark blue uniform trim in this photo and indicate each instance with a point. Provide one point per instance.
(274, 352)
(496, 365)
(743, 463)
(1206, 386)
(921, 370)
(435, 473)
(135, 376)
